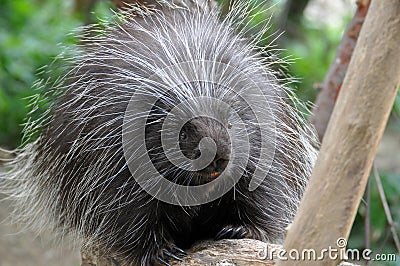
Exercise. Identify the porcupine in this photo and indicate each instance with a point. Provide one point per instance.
(75, 178)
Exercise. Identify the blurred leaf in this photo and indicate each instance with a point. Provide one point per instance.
(396, 106)
(29, 35)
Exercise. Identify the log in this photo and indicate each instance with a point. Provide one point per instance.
(240, 252)
(333, 194)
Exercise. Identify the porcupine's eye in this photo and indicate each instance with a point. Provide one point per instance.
(187, 145)
(183, 135)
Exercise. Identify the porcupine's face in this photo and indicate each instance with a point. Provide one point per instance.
(189, 137)
(191, 129)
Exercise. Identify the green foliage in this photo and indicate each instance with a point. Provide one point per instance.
(313, 57)
(29, 34)
(381, 238)
(313, 53)
(396, 106)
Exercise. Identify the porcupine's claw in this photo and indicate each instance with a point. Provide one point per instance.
(232, 232)
(243, 234)
(171, 255)
(223, 233)
(179, 250)
(162, 261)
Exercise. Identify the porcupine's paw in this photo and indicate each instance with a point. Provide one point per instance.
(167, 254)
(239, 232)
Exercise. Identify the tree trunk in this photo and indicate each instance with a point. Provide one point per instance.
(339, 178)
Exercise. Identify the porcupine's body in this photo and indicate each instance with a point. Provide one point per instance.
(75, 177)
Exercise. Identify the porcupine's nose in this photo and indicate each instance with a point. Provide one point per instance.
(219, 164)
(222, 156)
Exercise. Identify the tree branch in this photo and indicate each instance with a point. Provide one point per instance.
(239, 252)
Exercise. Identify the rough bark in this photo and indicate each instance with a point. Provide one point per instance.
(241, 252)
(334, 78)
(358, 120)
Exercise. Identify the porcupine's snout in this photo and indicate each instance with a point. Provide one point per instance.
(214, 152)
(219, 163)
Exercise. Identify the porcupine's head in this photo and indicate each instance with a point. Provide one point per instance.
(202, 132)
(206, 105)
(206, 120)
